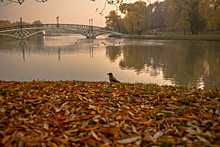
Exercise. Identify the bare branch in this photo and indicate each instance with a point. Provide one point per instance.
(109, 2)
(6, 2)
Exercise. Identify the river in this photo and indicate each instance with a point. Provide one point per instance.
(73, 57)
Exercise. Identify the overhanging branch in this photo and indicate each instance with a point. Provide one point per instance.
(6, 2)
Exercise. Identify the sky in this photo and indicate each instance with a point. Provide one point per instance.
(69, 11)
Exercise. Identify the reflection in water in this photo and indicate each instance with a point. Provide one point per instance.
(185, 63)
(113, 52)
(161, 62)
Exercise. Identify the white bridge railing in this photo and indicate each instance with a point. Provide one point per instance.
(55, 25)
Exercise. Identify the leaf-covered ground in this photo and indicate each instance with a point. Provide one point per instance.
(76, 113)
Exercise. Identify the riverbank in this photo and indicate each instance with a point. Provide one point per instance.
(177, 37)
(77, 113)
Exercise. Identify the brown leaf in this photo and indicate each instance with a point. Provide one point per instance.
(129, 140)
(95, 136)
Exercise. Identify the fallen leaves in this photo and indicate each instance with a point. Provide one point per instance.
(75, 113)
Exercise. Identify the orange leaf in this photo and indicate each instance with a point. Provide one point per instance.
(207, 115)
(53, 144)
(5, 139)
(118, 117)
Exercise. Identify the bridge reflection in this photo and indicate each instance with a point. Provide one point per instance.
(39, 45)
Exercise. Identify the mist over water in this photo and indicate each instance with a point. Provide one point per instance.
(163, 62)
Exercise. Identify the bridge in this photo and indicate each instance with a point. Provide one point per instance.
(23, 31)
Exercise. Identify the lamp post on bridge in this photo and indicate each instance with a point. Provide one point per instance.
(92, 28)
(57, 21)
(21, 22)
(92, 24)
(90, 31)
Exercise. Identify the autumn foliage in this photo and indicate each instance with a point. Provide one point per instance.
(6, 25)
(140, 16)
(74, 113)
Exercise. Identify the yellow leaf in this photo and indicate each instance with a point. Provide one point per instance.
(80, 97)
(205, 108)
(26, 111)
(17, 88)
(215, 101)
(160, 113)
(5, 139)
(93, 112)
(174, 99)
(53, 144)
(26, 127)
(63, 141)
(21, 93)
(48, 103)
(155, 101)
(99, 111)
(67, 132)
(120, 125)
(30, 100)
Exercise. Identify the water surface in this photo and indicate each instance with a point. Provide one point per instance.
(163, 62)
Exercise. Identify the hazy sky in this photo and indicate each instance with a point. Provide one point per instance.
(69, 11)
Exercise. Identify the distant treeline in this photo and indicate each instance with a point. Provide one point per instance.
(7, 24)
(192, 15)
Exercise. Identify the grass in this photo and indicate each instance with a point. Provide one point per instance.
(205, 36)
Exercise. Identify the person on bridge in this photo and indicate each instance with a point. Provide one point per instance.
(112, 78)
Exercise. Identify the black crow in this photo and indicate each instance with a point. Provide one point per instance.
(112, 78)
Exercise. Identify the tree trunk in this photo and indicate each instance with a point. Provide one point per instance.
(193, 31)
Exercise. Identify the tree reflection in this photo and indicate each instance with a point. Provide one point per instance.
(113, 52)
(142, 59)
(184, 63)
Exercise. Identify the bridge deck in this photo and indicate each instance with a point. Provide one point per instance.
(56, 25)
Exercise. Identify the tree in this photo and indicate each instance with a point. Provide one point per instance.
(129, 22)
(135, 17)
(197, 22)
(183, 22)
(114, 21)
(157, 15)
(37, 22)
(211, 11)
(5, 23)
